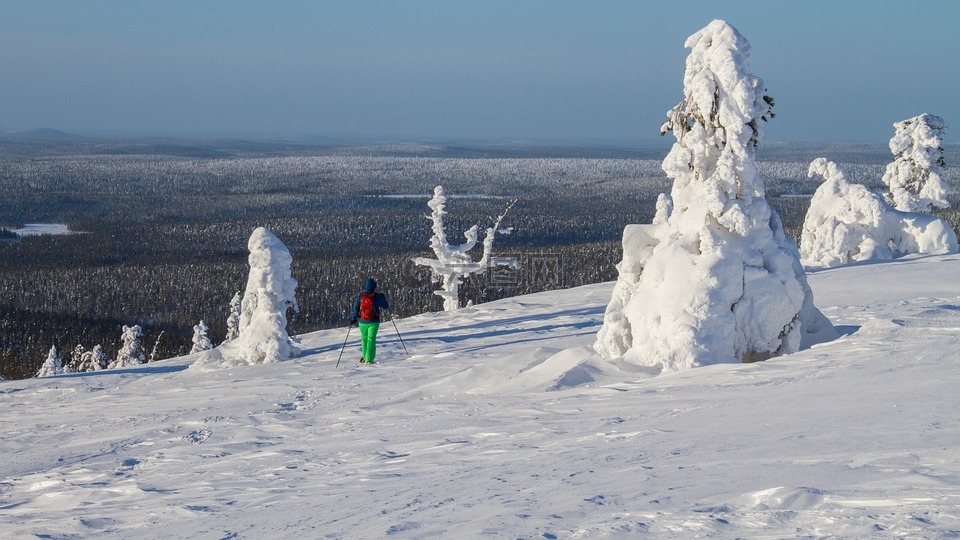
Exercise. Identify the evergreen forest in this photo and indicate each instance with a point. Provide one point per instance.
(160, 226)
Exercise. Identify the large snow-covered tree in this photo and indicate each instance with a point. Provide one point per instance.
(201, 342)
(269, 294)
(915, 177)
(131, 348)
(454, 263)
(849, 222)
(715, 279)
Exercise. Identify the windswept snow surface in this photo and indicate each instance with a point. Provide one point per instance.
(504, 424)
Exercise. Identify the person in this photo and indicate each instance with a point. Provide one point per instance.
(366, 314)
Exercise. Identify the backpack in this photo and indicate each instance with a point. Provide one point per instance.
(368, 311)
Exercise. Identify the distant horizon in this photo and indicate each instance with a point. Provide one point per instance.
(47, 132)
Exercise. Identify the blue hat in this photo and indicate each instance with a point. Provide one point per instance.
(369, 286)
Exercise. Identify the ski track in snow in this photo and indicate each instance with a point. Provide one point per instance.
(504, 423)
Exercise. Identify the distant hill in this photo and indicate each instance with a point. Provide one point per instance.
(40, 133)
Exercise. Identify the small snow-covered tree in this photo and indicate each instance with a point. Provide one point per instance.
(269, 294)
(100, 358)
(453, 263)
(849, 222)
(914, 178)
(76, 358)
(153, 351)
(65, 368)
(201, 342)
(714, 279)
(53, 364)
(233, 320)
(94, 360)
(131, 348)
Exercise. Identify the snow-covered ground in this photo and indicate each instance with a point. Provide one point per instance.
(504, 424)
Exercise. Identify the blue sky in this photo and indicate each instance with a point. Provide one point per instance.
(591, 70)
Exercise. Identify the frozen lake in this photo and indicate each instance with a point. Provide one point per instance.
(36, 229)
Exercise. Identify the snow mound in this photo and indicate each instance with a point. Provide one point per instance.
(544, 369)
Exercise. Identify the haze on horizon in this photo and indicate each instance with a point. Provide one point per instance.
(497, 70)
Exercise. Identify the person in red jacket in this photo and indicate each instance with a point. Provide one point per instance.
(367, 313)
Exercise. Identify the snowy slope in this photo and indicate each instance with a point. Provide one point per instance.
(504, 424)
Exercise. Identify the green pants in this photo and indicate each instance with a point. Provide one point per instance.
(368, 340)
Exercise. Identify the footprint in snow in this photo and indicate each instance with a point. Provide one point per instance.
(126, 466)
(198, 437)
(392, 455)
(403, 528)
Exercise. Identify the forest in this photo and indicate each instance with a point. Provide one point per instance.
(160, 227)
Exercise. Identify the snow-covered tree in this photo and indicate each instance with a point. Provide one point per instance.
(201, 342)
(94, 360)
(53, 364)
(269, 294)
(715, 279)
(233, 320)
(914, 178)
(76, 358)
(849, 222)
(131, 348)
(153, 351)
(65, 368)
(453, 263)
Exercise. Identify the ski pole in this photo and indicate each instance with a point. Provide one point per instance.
(344, 345)
(398, 334)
